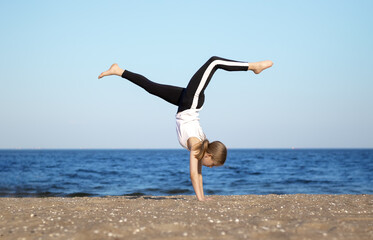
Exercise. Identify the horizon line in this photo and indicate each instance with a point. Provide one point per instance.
(233, 148)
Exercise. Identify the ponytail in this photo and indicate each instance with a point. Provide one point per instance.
(203, 148)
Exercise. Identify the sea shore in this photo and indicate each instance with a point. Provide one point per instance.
(298, 216)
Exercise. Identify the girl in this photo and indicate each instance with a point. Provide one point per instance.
(189, 101)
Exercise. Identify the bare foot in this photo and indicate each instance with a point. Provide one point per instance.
(258, 67)
(113, 70)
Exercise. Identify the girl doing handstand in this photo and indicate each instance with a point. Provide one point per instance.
(190, 101)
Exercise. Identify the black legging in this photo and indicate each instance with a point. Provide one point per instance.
(191, 97)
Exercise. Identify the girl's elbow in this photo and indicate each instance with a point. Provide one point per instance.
(193, 175)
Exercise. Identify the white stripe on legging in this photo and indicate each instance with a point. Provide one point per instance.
(206, 74)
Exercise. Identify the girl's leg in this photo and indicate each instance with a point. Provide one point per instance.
(193, 97)
(168, 93)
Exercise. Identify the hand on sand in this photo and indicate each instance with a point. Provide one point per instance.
(206, 199)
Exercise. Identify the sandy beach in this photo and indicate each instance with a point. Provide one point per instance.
(297, 216)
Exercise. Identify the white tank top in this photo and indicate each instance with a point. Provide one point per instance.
(187, 126)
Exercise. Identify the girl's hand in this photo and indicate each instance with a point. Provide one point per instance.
(206, 199)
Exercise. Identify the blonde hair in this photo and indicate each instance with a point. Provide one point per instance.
(216, 149)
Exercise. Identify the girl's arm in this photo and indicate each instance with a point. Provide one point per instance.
(200, 178)
(195, 167)
(195, 177)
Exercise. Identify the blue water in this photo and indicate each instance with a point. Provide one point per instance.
(25, 173)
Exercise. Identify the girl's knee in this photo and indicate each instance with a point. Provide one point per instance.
(213, 58)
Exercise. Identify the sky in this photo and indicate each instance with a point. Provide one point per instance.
(318, 94)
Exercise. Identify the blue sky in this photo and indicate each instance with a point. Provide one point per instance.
(317, 94)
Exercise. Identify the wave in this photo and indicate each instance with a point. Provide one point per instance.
(176, 191)
(80, 194)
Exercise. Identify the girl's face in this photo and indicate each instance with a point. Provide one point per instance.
(207, 160)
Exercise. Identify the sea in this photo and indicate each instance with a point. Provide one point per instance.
(164, 172)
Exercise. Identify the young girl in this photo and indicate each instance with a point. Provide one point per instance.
(189, 101)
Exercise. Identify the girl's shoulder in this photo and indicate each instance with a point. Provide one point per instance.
(193, 143)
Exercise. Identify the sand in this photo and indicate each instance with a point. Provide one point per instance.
(297, 216)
